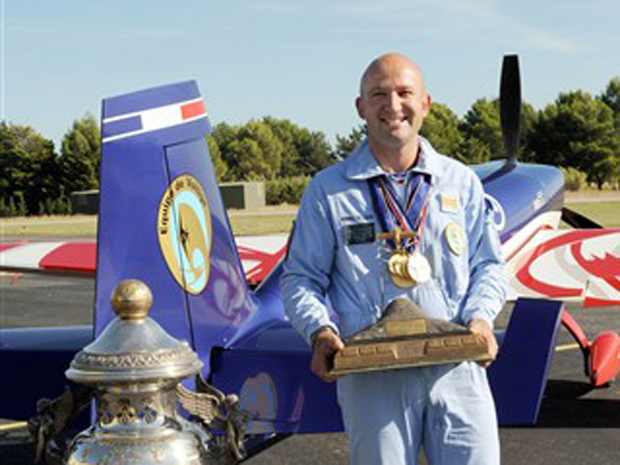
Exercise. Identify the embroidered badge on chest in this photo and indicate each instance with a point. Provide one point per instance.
(455, 236)
(449, 203)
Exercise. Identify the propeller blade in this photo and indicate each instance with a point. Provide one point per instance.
(577, 220)
(510, 107)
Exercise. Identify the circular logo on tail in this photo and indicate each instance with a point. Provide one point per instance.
(185, 232)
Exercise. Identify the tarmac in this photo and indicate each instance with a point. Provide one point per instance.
(577, 424)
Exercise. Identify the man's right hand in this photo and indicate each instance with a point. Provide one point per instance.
(326, 344)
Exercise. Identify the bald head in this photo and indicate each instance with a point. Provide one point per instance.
(394, 102)
(385, 64)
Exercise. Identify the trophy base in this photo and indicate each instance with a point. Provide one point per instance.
(403, 337)
(407, 353)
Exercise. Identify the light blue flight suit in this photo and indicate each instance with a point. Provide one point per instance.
(387, 415)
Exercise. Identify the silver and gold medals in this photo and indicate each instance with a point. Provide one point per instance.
(406, 269)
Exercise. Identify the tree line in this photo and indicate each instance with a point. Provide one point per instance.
(578, 132)
(35, 179)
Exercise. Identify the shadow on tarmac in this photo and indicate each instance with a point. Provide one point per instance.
(565, 405)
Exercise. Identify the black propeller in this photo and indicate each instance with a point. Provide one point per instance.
(510, 108)
(510, 115)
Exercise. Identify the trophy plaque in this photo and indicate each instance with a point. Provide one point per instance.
(404, 337)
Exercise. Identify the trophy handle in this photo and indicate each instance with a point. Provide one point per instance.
(50, 426)
(217, 411)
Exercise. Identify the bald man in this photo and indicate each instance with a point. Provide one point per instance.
(395, 178)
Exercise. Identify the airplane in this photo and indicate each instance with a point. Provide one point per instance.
(162, 220)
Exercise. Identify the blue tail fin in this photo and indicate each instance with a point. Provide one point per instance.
(162, 219)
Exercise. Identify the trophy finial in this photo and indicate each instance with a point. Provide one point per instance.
(132, 300)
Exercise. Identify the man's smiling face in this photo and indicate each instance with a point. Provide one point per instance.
(393, 102)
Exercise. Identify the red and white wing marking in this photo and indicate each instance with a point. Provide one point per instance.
(543, 222)
(259, 254)
(72, 257)
(543, 262)
(569, 265)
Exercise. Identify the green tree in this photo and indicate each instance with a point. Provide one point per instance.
(255, 153)
(574, 180)
(268, 149)
(482, 132)
(11, 161)
(224, 135)
(528, 119)
(4, 208)
(441, 128)
(346, 144)
(303, 152)
(80, 158)
(28, 167)
(288, 134)
(611, 97)
(315, 152)
(219, 165)
(604, 170)
(21, 207)
(577, 130)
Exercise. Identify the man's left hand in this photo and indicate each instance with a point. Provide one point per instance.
(483, 330)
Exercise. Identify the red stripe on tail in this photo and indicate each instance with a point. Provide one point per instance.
(191, 110)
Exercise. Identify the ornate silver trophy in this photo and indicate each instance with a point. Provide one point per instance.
(133, 370)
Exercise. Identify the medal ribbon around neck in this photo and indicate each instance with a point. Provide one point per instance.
(391, 213)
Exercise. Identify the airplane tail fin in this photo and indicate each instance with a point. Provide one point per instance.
(162, 219)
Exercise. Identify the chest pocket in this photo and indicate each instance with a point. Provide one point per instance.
(360, 247)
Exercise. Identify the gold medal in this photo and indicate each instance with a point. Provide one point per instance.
(407, 270)
(397, 266)
(455, 236)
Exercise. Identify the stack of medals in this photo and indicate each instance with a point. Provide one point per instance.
(406, 265)
(406, 269)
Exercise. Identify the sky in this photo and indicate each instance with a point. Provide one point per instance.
(291, 59)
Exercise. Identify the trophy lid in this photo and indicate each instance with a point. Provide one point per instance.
(133, 347)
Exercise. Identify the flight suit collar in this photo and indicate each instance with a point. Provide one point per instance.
(361, 164)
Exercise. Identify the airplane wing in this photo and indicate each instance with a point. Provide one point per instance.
(571, 265)
(259, 254)
(68, 257)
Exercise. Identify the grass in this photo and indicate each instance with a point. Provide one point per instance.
(49, 225)
(604, 213)
(247, 225)
(271, 220)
